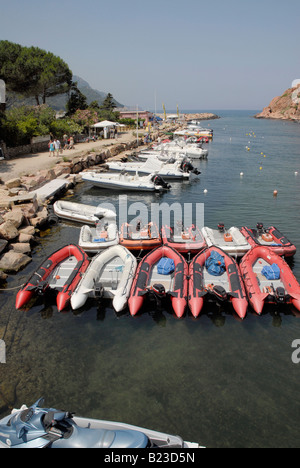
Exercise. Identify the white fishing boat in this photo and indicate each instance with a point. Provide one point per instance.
(94, 239)
(171, 170)
(109, 275)
(78, 212)
(195, 131)
(124, 181)
(231, 241)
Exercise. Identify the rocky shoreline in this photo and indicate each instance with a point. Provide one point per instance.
(284, 107)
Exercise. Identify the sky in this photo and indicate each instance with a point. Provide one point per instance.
(199, 55)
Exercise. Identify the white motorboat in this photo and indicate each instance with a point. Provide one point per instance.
(109, 275)
(124, 181)
(81, 213)
(94, 239)
(171, 170)
(195, 131)
(231, 241)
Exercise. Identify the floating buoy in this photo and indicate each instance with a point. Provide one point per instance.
(260, 168)
(296, 173)
(275, 193)
(204, 191)
(241, 174)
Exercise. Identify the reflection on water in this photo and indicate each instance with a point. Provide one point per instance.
(216, 379)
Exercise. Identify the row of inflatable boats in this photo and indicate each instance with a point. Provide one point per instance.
(164, 275)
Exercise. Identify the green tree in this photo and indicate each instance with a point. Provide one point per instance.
(77, 100)
(108, 104)
(31, 71)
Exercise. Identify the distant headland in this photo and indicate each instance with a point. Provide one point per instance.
(285, 107)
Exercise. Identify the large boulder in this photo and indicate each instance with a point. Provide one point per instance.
(8, 231)
(15, 216)
(12, 262)
(12, 183)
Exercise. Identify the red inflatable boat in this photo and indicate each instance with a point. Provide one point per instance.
(270, 237)
(183, 240)
(61, 271)
(224, 284)
(140, 238)
(149, 279)
(268, 279)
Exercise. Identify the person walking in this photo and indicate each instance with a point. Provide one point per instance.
(51, 148)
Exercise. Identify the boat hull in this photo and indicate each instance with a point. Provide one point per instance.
(260, 290)
(231, 281)
(48, 274)
(276, 241)
(146, 277)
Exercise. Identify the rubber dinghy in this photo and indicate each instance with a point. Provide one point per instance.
(268, 279)
(215, 274)
(140, 237)
(231, 241)
(80, 213)
(39, 427)
(182, 239)
(270, 237)
(131, 183)
(162, 272)
(61, 271)
(110, 275)
(105, 235)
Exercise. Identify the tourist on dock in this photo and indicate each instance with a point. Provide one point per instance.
(57, 146)
(71, 145)
(51, 148)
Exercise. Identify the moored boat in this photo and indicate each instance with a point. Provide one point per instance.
(94, 239)
(81, 213)
(40, 427)
(270, 237)
(61, 272)
(140, 237)
(231, 241)
(162, 273)
(109, 275)
(213, 274)
(268, 279)
(126, 182)
(184, 240)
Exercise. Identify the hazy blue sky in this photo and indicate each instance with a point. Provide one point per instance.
(212, 54)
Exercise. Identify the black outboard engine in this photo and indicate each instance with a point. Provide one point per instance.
(99, 290)
(187, 166)
(260, 228)
(280, 295)
(158, 180)
(158, 294)
(221, 227)
(219, 292)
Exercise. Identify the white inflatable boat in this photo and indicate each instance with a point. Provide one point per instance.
(124, 181)
(110, 275)
(231, 241)
(94, 239)
(81, 213)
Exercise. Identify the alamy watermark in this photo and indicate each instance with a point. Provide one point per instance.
(157, 214)
(296, 353)
(2, 352)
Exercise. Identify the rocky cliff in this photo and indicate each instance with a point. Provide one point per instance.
(285, 107)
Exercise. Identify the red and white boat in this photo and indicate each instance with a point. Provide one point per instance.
(270, 237)
(282, 288)
(183, 240)
(62, 271)
(148, 279)
(227, 285)
(136, 238)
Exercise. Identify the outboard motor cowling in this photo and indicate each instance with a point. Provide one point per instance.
(280, 295)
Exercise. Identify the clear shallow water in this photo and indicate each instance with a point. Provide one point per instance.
(215, 380)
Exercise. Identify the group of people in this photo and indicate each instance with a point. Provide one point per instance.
(56, 148)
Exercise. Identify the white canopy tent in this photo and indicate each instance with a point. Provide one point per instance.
(106, 126)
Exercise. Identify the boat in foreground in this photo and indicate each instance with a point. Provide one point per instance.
(124, 181)
(268, 279)
(61, 272)
(37, 427)
(162, 273)
(109, 275)
(270, 237)
(213, 274)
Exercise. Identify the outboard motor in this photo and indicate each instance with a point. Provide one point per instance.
(260, 228)
(158, 294)
(219, 292)
(221, 227)
(280, 295)
(99, 291)
(158, 180)
(186, 166)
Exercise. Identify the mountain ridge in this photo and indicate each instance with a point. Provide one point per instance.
(284, 107)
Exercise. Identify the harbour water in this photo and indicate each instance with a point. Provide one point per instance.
(216, 380)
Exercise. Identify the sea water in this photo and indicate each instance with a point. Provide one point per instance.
(215, 380)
